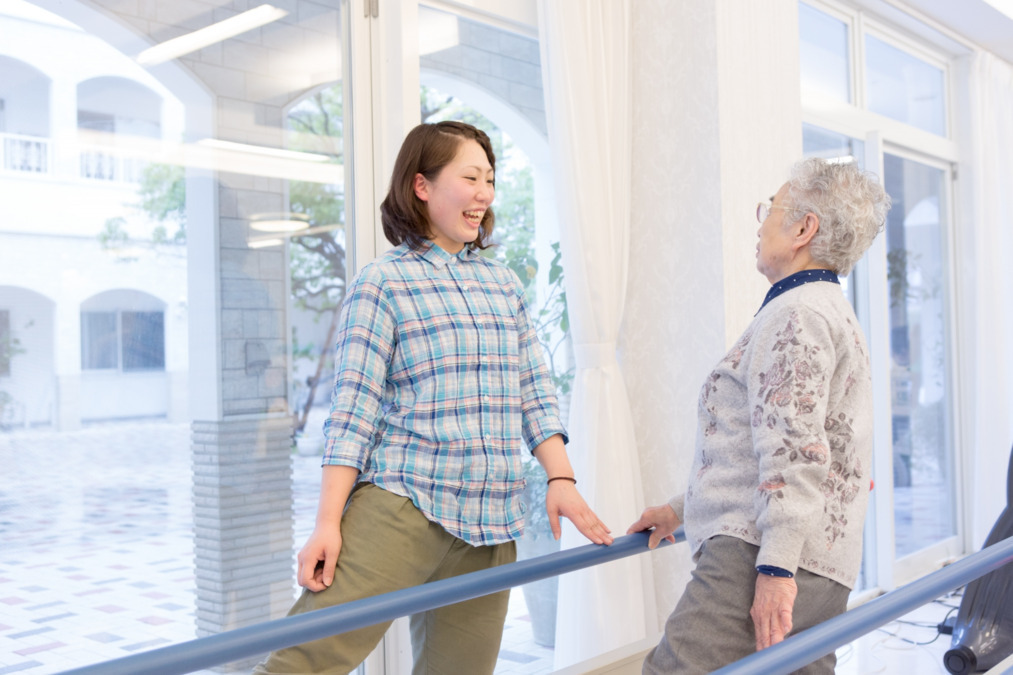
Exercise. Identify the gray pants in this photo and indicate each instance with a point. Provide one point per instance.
(711, 627)
(387, 544)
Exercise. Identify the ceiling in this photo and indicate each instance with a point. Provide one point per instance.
(988, 23)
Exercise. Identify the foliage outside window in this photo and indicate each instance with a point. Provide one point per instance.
(317, 255)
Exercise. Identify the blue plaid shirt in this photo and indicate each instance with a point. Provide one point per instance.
(439, 377)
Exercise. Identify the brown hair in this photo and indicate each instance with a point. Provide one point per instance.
(426, 150)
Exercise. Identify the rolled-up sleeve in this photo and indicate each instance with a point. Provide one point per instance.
(539, 409)
(365, 342)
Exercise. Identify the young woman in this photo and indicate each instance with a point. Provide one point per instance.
(440, 381)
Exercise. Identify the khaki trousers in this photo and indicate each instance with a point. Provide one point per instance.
(387, 544)
(711, 628)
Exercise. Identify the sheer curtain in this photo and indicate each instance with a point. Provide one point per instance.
(988, 242)
(586, 67)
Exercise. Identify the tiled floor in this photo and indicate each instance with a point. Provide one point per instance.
(96, 558)
(96, 551)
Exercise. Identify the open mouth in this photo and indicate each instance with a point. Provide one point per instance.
(474, 217)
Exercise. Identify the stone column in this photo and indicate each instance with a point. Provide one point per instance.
(242, 496)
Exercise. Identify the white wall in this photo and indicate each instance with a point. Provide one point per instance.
(714, 132)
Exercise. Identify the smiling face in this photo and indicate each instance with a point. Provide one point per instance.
(457, 199)
(775, 252)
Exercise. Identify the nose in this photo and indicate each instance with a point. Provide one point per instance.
(486, 193)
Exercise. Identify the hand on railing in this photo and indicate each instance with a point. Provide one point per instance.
(562, 499)
(663, 521)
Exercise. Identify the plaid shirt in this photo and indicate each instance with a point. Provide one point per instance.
(439, 376)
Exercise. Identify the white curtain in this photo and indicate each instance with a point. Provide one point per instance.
(585, 48)
(990, 192)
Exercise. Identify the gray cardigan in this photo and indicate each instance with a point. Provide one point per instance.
(784, 438)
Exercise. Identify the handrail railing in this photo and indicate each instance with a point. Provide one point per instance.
(793, 653)
(806, 647)
(214, 650)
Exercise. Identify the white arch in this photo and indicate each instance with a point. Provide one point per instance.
(529, 139)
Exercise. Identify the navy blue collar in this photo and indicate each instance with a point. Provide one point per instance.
(796, 280)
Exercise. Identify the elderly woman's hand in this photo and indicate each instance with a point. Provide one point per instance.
(662, 519)
(773, 602)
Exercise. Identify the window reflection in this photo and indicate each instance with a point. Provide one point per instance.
(148, 337)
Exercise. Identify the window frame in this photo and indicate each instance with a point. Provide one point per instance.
(883, 135)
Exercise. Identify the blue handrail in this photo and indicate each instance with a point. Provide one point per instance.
(806, 647)
(785, 657)
(186, 657)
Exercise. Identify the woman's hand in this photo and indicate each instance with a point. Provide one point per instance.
(662, 519)
(318, 558)
(771, 612)
(562, 499)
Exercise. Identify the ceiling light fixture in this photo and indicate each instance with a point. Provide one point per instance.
(262, 150)
(209, 35)
(280, 222)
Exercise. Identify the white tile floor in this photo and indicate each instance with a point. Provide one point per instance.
(96, 558)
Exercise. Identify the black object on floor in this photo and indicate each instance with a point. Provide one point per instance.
(983, 633)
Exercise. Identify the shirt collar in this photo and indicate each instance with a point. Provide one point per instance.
(439, 258)
(796, 280)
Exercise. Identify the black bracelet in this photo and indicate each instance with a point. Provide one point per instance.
(569, 478)
(773, 571)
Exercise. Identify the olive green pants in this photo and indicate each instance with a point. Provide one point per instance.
(387, 544)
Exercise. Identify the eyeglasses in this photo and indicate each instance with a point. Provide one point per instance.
(763, 210)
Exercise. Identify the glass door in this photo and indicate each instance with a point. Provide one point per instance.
(177, 204)
(906, 275)
(924, 466)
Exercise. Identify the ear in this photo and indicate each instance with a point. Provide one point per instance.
(421, 186)
(805, 230)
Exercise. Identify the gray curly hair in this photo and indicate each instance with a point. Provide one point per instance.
(851, 206)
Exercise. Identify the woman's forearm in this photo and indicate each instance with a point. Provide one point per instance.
(335, 487)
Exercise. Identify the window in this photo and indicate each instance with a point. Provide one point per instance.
(901, 290)
(904, 87)
(128, 341)
(824, 54)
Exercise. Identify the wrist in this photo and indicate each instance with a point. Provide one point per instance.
(774, 571)
(570, 479)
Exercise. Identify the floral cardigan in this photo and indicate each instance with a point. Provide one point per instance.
(784, 440)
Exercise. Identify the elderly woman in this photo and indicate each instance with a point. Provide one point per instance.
(780, 478)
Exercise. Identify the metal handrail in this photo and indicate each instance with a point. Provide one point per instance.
(214, 650)
(818, 641)
(787, 656)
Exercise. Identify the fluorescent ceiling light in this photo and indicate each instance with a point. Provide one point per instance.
(277, 239)
(250, 160)
(280, 222)
(265, 242)
(209, 35)
(262, 150)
